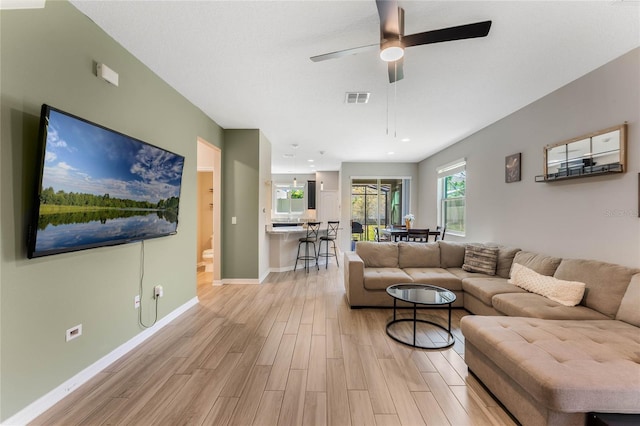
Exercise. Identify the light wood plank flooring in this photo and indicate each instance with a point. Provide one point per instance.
(287, 352)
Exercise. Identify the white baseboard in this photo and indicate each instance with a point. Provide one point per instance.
(42, 404)
(282, 269)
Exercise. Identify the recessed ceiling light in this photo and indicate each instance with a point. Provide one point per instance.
(310, 160)
(312, 165)
(405, 140)
(390, 153)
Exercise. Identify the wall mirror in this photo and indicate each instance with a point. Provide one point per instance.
(597, 153)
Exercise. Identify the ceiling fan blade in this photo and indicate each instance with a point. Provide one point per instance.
(346, 52)
(396, 71)
(389, 17)
(478, 29)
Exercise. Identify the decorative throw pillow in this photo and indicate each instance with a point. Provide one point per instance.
(567, 293)
(479, 258)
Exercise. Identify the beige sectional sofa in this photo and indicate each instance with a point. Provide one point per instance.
(549, 364)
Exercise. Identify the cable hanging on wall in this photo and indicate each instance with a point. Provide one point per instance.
(142, 324)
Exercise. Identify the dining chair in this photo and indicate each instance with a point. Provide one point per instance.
(356, 228)
(418, 235)
(442, 230)
(378, 236)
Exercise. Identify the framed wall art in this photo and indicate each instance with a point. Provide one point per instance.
(512, 168)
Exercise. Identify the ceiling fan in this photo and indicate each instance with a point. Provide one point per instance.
(393, 41)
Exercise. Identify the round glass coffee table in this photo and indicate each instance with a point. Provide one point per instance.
(424, 295)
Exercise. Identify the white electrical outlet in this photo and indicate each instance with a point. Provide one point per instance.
(74, 332)
(158, 291)
(136, 302)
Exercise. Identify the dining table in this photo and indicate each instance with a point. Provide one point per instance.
(400, 234)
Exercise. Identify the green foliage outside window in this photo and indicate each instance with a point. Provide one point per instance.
(453, 201)
(289, 199)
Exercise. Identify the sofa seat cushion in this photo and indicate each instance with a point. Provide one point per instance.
(434, 276)
(485, 288)
(568, 366)
(535, 306)
(381, 278)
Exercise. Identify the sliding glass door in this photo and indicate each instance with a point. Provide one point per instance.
(377, 203)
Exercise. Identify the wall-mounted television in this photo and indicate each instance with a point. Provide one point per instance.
(98, 187)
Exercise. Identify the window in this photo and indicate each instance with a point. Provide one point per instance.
(289, 199)
(452, 185)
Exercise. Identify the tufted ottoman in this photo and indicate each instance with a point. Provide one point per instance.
(553, 372)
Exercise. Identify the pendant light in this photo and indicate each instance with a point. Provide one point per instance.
(295, 181)
(321, 182)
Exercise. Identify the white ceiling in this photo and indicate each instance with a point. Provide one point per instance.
(246, 65)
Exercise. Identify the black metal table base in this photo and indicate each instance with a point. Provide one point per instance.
(450, 339)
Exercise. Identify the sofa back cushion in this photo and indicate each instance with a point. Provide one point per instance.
(606, 282)
(451, 254)
(545, 265)
(629, 311)
(378, 255)
(505, 260)
(418, 255)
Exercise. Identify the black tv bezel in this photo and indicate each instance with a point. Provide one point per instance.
(37, 191)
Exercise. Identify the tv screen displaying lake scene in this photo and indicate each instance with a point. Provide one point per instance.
(98, 187)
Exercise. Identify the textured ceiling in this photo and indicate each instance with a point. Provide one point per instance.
(246, 65)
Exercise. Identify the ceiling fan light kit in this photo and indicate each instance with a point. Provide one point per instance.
(392, 50)
(393, 41)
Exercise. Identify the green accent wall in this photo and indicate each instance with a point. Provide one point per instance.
(240, 192)
(48, 56)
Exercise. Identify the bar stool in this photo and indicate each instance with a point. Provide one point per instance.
(332, 234)
(311, 238)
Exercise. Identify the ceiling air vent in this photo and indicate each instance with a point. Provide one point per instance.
(357, 97)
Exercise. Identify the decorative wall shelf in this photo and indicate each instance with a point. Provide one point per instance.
(585, 171)
(595, 154)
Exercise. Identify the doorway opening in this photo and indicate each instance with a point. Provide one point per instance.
(208, 241)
